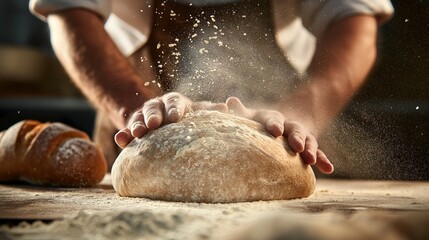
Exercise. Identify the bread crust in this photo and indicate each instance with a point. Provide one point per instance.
(51, 154)
(211, 157)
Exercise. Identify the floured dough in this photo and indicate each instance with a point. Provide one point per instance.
(211, 157)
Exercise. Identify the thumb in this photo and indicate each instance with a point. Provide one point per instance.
(236, 107)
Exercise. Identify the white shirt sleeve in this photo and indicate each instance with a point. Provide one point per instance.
(128, 32)
(42, 8)
(126, 37)
(318, 14)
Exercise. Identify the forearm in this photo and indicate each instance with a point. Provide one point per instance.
(95, 64)
(343, 58)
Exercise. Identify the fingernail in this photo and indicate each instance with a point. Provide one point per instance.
(276, 129)
(135, 129)
(136, 125)
(300, 140)
(120, 140)
(279, 126)
(173, 115)
(333, 169)
(173, 111)
(153, 121)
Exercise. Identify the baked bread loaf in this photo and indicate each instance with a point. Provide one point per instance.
(211, 157)
(51, 154)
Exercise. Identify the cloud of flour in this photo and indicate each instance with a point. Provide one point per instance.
(231, 51)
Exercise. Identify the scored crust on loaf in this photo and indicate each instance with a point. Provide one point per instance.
(73, 159)
(52, 154)
(211, 157)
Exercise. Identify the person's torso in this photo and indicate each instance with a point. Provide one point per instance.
(213, 52)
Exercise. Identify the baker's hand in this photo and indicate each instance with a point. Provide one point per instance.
(299, 138)
(169, 108)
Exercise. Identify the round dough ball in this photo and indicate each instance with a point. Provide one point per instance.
(211, 157)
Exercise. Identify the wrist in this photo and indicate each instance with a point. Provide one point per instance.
(121, 105)
(305, 107)
(309, 122)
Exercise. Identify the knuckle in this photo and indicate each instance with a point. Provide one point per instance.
(276, 118)
(298, 133)
(295, 129)
(310, 152)
(152, 106)
(201, 105)
(152, 103)
(221, 107)
(234, 103)
(137, 115)
(294, 124)
(172, 95)
(312, 138)
(151, 111)
(171, 100)
(311, 143)
(321, 154)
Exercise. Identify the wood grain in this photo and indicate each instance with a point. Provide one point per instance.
(25, 202)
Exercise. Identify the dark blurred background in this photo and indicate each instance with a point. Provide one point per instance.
(383, 134)
(33, 84)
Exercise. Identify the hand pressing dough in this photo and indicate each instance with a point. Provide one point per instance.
(211, 157)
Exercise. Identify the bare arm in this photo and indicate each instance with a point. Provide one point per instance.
(96, 65)
(108, 80)
(343, 58)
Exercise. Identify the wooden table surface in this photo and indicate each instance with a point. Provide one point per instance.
(25, 202)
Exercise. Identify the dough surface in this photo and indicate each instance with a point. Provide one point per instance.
(211, 157)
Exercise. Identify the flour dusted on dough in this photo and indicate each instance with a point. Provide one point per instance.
(211, 157)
